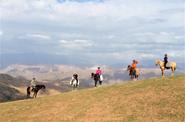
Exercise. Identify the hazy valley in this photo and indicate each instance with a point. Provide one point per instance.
(16, 78)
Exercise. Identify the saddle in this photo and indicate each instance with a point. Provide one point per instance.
(32, 89)
(168, 65)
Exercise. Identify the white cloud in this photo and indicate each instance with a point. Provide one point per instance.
(36, 36)
(118, 28)
(76, 44)
(39, 36)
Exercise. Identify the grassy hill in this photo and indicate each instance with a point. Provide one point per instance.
(152, 100)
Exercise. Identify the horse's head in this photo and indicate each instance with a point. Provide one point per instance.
(43, 88)
(157, 62)
(92, 75)
(128, 68)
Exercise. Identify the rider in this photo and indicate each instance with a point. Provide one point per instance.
(134, 66)
(99, 72)
(75, 77)
(33, 83)
(165, 60)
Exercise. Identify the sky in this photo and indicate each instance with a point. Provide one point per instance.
(91, 32)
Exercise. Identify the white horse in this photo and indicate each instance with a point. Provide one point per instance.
(74, 83)
(171, 65)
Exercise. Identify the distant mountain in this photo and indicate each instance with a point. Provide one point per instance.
(79, 60)
(8, 88)
(57, 77)
(64, 72)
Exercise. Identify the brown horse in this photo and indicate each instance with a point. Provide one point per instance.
(96, 78)
(170, 65)
(134, 74)
(34, 90)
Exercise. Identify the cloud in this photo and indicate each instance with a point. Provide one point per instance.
(34, 37)
(39, 36)
(76, 44)
(112, 28)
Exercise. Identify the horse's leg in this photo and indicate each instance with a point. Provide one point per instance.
(95, 81)
(28, 92)
(172, 71)
(76, 86)
(100, 82)
(34, 94)
(136, 77)
(131, 77)
(162, 70)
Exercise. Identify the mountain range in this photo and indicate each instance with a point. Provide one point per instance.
(17, 77)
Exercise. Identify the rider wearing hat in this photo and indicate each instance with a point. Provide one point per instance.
(33, 83)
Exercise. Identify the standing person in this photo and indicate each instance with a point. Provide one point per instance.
(33, 83)
(99, 72)
(165, 60)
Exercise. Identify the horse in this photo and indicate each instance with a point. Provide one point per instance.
(134, 74)
(96, 78)
(74, 82)
(171, 65)
(34, 90)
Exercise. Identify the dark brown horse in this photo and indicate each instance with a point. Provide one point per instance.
(35, 90)
(96, 78)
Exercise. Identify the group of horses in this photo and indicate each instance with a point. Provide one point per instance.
(134, 74)
(97, 79)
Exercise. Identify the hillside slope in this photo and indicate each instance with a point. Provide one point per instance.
(8, 88)
(152, 100)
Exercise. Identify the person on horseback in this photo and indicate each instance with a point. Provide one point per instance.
(134, 66)
(99, 73)
(165, 60)
(33, 83)
(75, 77)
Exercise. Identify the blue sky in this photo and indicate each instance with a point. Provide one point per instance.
(96, 31)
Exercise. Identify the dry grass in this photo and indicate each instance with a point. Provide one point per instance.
(153, 100)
